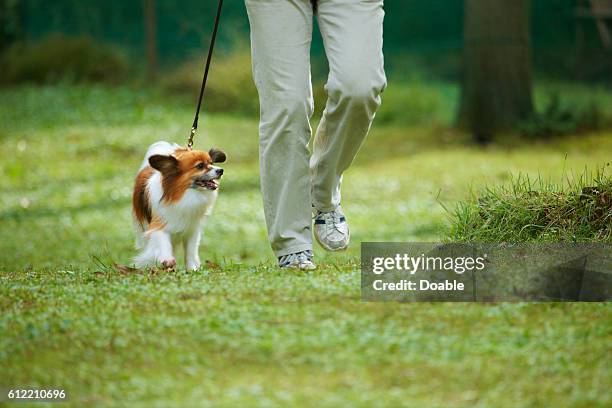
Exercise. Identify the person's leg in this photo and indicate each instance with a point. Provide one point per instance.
(281, 32)
(352, 35)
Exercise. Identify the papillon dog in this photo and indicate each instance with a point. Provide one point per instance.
(175, 191)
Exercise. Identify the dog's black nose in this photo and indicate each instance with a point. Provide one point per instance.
(220, 172)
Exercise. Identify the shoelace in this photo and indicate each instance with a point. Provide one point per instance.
(301, 257)
(334, 218)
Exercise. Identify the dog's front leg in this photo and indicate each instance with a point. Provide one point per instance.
(192, 245)
(161, 243)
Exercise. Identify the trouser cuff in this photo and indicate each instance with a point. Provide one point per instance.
(292, 250)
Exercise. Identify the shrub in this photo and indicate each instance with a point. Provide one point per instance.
(417, 102)
(538, 212)
(60, 58)
(230, 86)
(559, 120)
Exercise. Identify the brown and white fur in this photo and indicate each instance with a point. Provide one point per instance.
(174, 192)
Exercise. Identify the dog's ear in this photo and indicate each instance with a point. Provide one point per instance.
(165, 164)
(217, 156)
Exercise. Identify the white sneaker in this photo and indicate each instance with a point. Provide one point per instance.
(300, 260)
(331, 230)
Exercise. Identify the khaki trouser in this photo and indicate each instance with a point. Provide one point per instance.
(292, 181)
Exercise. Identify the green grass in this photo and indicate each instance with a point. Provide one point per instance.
(240, 332)
(539, 211)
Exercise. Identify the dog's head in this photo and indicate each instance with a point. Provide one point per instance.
(186, 169)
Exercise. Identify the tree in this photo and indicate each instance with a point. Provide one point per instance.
(11, 22)
(496, 91)
(150, 25)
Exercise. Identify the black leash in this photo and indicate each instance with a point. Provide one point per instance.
(211, 46)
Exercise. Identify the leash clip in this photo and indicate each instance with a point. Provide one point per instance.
(191, 135)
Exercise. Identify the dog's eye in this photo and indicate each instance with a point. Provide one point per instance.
(200, 166)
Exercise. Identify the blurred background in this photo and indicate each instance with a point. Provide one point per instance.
(428, 44)
(496, 126)
(480, 92)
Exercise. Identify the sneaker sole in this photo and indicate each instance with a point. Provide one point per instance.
(297, 268)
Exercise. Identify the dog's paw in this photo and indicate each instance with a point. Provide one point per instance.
(193, 266)
(168, 263)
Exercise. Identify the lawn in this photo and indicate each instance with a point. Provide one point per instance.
(239, 332)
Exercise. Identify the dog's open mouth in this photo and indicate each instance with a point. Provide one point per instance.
(208, 184)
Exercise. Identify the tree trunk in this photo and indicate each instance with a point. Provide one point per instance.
(11, 23)
(150, 23)
(496, 91)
